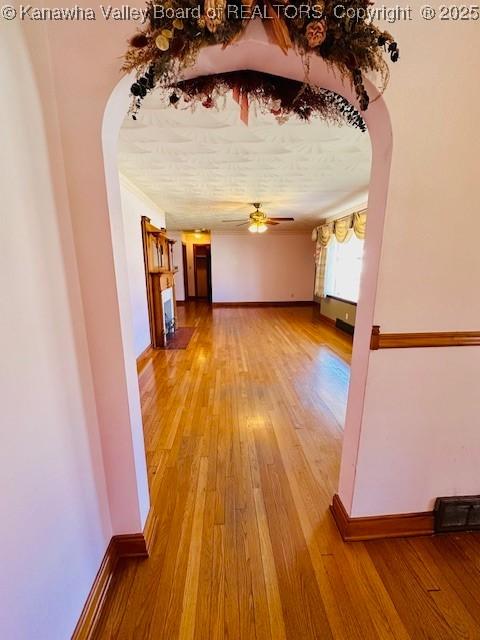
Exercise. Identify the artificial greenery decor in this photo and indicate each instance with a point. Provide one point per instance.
(178, 29)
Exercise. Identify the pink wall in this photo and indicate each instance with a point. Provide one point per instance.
(122, 436)
(423, 441)
(54, 512)
(420, 436)
(90, 157)
(262, 268)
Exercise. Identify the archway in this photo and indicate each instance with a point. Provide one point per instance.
(255, 52)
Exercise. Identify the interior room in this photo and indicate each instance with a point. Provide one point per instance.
(234, 400)
(312, 173)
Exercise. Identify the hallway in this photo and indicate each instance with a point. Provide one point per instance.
(243, 437)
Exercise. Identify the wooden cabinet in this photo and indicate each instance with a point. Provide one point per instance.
(160, 281)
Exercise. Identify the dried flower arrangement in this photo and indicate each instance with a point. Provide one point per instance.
(281, 97)
(178, 29)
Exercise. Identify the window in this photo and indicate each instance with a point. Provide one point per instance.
(343, 269)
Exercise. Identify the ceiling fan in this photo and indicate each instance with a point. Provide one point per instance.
(259, 221)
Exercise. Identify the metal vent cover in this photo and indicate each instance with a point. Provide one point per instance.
(344, 326)
(459, 513)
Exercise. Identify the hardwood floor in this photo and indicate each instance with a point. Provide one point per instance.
(243, 436)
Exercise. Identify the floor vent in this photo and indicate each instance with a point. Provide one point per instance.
(344, 326)
(457, 514)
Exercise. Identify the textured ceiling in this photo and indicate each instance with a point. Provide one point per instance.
(207, 166)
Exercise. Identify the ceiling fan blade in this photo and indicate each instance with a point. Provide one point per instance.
(283, 219)
(237, 220)
(243, 223)
(240, 203)
(271, 222)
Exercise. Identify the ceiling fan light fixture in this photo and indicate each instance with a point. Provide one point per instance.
(253, 228)
(261, 227)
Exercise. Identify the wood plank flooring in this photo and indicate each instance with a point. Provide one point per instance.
(243, 434)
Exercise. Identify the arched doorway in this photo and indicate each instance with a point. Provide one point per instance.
(255, 52)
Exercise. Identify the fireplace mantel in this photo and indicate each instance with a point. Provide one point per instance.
(160, 278)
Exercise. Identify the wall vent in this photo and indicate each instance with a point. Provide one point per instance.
(344, 326)
(460, 513)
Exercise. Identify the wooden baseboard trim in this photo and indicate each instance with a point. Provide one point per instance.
(131, 546)
(98, 593)
(136, 545)
(287, 303)
(406, 525)
(326, 319)
(145, 353)
(143, 358)
(420, 340)
(150, 530)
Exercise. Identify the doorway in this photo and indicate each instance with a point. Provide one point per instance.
(202, 264)
(249, 53)
(185, 270)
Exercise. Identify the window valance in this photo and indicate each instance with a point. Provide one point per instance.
(343, 228)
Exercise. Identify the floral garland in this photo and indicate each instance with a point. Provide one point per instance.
(178, 29)
(271, 94)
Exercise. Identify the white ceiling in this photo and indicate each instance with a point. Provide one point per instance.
(207, 166)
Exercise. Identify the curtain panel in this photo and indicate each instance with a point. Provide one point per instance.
(320, 266)
(325, 233)
(342, 229)
(360, 224)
